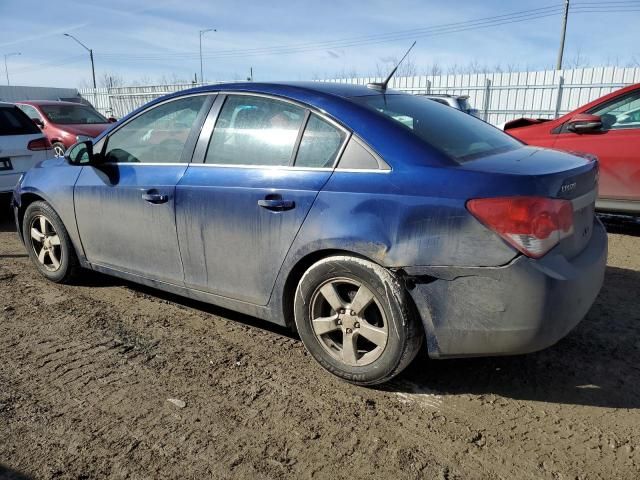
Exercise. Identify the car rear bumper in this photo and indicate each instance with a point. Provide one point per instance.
(522, 307)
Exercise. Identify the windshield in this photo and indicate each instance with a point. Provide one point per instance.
(456, 134)
(72, 115)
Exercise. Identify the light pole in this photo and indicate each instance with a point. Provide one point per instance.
(93, 70)
(6, 69)
(564, 34)
(202, 32)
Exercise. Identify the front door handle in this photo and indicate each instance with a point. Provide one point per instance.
(276, 203)
(153, 196)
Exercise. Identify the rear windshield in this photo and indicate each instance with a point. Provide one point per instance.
(72, 115)
(458, 135)
(13, 121)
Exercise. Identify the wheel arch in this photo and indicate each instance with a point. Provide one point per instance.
(297, 271)
(27, 199)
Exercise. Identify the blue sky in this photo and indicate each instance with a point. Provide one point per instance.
(147, 40)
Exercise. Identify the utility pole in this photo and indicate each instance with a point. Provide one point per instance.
(6, 69)
(564, 34)
(202, 32)
(93, 70)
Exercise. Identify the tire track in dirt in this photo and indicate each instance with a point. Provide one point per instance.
(86, 394)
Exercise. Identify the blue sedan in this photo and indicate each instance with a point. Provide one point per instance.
(370, 221)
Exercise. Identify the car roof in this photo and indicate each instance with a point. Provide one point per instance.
(345, 90)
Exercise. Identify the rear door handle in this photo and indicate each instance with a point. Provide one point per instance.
(154, 197)
(277, 204)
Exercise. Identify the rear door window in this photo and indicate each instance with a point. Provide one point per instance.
(13, 121)
(253, 130)
(320, 144)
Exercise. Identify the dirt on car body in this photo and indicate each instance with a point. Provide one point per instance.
(108, 379)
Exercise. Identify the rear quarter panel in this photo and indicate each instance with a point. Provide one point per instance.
(401, 218)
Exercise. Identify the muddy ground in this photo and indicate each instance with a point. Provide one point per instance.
(86, 372)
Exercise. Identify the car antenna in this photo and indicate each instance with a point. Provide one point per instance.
(383, 85)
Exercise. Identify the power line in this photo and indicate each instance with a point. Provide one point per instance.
(48, 64)
(525, 14)
(432, 31)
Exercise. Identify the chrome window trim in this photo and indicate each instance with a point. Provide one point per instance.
(321, 113)
(168, 100)
(106, 138)
(262, 167)
(308, 108)
(150, 164)
(211, 120)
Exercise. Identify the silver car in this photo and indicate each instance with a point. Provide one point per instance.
(459, 102)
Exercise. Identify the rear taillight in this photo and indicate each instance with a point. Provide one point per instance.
(39, 144)
(533, 225)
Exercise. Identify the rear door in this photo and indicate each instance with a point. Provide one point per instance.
(125, 206)
(16, 133)
(617, 146)
(239, 210)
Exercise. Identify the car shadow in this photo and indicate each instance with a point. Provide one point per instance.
(227, 314)
(623, 225)
(6, 214)
(7, 473)
(597, 364)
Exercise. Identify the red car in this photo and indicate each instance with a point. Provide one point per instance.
(608, 128)
(65, 123)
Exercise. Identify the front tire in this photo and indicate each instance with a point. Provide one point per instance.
(355, 318)
(48, 243)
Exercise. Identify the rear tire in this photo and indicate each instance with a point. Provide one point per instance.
(48, 243)
(355, 318)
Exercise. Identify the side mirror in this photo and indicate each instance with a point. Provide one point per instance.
(112, 119)
(80, 154)
(38, 122)
(584, 123)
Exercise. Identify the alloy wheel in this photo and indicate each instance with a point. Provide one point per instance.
(46, 243)
(349, 322)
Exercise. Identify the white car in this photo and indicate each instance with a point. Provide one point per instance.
(22, 145)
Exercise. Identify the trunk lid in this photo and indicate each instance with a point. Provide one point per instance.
(553, 174)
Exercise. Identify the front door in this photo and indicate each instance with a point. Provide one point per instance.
(125, 207)
(617, 146)
(239, 212)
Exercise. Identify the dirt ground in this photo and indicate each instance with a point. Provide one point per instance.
(87, 371)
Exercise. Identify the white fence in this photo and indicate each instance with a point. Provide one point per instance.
(498, 96)
(119, 101)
